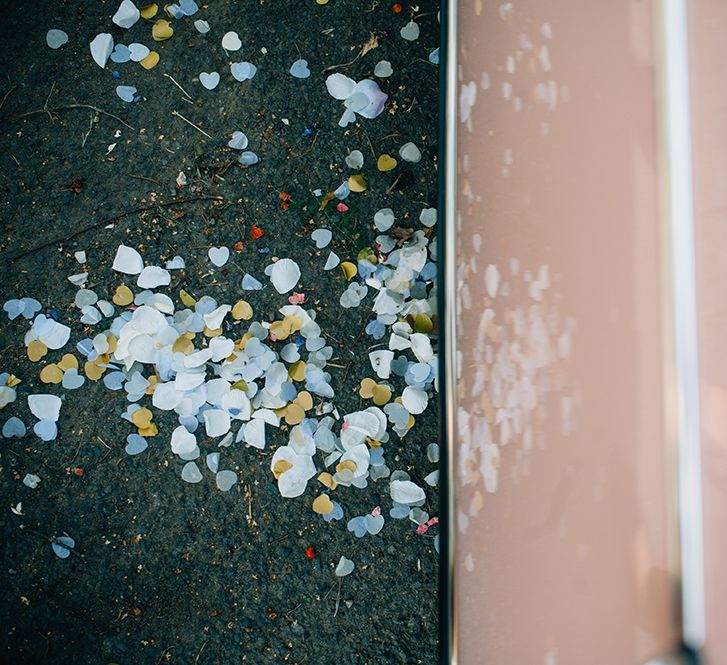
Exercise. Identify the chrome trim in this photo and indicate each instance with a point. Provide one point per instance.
(678, 209)
(450, 318)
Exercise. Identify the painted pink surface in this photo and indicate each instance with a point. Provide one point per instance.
(564, 546)
(708, 27)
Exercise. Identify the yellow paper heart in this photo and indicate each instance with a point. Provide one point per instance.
(153, 380)
(294, 414)
(367, 388)
(152, 430)
(326, 479)
(381, 394)
(348, 464)
(149, 11)
(212, 333)
(67, 362)
(112, 343)
(36, 350)
(386, 163)
(322, 504)
(304, 400)
(141, 417)
(297, 371)
(241, 311)
(420, 323)
(93, 371)
(187, 300)
(123, 296)
(357, 183)
(51, 374)
(349, 270)
(162, 30)
(151, 61)
(183, 345)
(281, 466)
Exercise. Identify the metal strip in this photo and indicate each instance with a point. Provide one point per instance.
(448, 353)
(676, 136)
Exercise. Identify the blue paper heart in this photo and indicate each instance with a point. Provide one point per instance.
(299, 69)
(46, 430)
(14, 427)
(243, 71)
(121, 53)
(238, 141)
(126, 92)
(335, 514)
(358, 526)
(248, 158)
(62, 546)
(135, 444)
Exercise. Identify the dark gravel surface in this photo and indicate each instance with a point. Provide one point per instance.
(166, 572)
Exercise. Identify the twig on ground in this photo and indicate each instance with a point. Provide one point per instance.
(108, 220)
(7, 94)
(66, 107)
(143, 177)
(189, 122)
(171, 78)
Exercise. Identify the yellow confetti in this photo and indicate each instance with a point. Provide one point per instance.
(151, 61)
(153, 380)
(326, 479)
(151, 430)
(142, 417)
(36, 350)
(241, 311)
(212, 333)
(281, 466)
(304, 400)
(51, 374)
(162, 30)
(112, 343)
(149, 11)
(123, 296)
(367, 254)
(93, 371)
(322, 504)
(183, 345)
(357, 183)
(297, 371)
(294, 414)
(420, 323)
(67, 362)
(386, 163)
(349, 465)
(379, 392)
(187, 300)
(12, 381)
(321, 2)
(349, 270)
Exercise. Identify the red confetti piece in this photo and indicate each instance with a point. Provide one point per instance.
(342, 207)
(310, 553)
(256, 232)
(397, 8)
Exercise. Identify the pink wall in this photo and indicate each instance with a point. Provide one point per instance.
(565, 550)
(708, 36)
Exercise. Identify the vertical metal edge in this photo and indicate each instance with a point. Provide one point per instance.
(446, 289)
(681, 369)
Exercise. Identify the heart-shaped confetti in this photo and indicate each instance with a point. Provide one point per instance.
(383, 69)
(135, 444)
(202, 26)
(410, 31)
(355, 159)
(72, 379)
(225, 480)
(428, 217)
(386, 163)
(191, 473)
(14, 428)
(321, 237)
(46, 430)
(62, 546)
(231, 41)
(410, 153)
(209, 80)
(151, 60)
(126, 92)
(149, 11)
(121, 54)
(243, 71)
(162, 30)
(384, 219)
(284, 275)
(138, 52)
(299, 69)
(322, 504)
(219, 255)
(238, 141)
(344, 567)
(56, 38)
